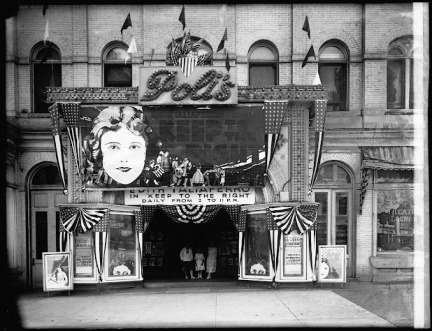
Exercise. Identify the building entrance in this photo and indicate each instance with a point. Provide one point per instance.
(164, 239)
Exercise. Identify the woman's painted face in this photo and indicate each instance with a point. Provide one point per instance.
(324, 270)
(123, 155)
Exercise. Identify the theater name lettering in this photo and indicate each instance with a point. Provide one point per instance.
(206, 85)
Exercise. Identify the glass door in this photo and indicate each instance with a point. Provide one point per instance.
(334, 220)
(45, 229)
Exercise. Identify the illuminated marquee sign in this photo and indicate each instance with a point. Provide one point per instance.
(205, 86)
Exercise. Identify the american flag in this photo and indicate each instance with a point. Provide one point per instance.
(242, 220)
(320, 111)
(233, 212)
(303, 217)
(274, 113)
(191, 213)
(71, 116)
(86, 218)
(147, 215)
(55, 126)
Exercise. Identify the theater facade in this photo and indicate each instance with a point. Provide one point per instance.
(134, 129)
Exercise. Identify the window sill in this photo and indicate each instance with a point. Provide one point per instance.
(393, 260)
(400, 111)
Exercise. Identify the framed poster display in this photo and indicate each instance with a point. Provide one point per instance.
(57, 271)
(293, 256)
(332, 263)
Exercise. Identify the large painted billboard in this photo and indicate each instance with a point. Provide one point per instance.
(135, 146)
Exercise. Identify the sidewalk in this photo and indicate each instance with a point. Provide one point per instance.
(210, 306)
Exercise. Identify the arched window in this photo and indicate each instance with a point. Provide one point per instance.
(263, 61)
(116, 72)
(204, 51)
(47, 72)
(400, 73)
(333, 72)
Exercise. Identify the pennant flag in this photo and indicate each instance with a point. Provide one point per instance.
(310, 53)
(317, 80)
(182, 18)
(222, 43)
(290, 218)
(71, 116)
(306, 26)
(132, 49)
(72, 217)
(191, 213)
(44, 9)
(227, 64)
(222, 13)
(320, 111)
(46, 34)
(127, 23)
(274, 113)
(55, 126)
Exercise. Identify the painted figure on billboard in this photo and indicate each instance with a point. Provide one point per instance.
(126, 146)
(118, 143)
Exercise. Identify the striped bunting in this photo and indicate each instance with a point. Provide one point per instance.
(291, 218)
(191, 213)
(72, 217)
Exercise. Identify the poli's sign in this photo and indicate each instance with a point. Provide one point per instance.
(203, 86)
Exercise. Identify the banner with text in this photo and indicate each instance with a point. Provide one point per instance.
(191, 195)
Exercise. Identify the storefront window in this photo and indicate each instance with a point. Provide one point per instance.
(84, 255)
(257, 246)
(122, 246)
(395, 216)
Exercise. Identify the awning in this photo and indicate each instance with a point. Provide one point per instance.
(388, 157)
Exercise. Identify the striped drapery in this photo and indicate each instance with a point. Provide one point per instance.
(86, 218)
(274, 113)
(191, 213)
(289, 218)
(100, 242)
(312, 248)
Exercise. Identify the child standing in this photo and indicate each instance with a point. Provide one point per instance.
(199, 262)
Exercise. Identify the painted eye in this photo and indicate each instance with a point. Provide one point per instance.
(135, 146)
(113, 147)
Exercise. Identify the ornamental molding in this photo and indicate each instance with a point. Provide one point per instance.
(129, 95)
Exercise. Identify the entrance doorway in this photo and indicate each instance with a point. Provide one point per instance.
(46, 193)
(164, 239)
(333, 192)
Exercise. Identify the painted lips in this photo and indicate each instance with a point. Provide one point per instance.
(123, 169)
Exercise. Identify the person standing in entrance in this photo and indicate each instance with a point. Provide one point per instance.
(186, 257)
(199, 262)
(211, 260)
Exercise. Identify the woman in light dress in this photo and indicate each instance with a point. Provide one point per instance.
(211, 260)
(199, 262)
